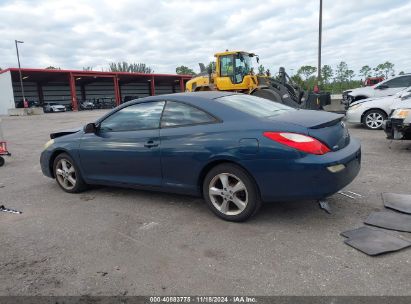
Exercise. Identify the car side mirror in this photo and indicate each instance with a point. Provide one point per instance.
(90, 128)
(382, 87)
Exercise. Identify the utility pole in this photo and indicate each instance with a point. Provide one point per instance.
(21, 78)
(320, 25)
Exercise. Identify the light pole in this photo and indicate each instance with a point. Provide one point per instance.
(320, 25)
(21, 78)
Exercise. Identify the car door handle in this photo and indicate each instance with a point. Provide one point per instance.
(150, 144)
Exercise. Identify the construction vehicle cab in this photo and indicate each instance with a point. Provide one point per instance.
(232, 71)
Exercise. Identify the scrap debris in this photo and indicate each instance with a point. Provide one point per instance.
(8, 210)
(350, 195)
(324, 205)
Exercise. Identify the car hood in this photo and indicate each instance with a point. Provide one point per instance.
(360, 91)
(374, 100)
(364, 100)
(404, 104)
(64, 132)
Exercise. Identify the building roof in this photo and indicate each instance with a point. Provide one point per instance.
(41, 74)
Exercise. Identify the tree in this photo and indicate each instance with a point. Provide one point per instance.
(297, 80)
(183, 70)
(87, 68)
(326, 73)
(261, 70)
(388, 68)
(130, 67)
(350, 74)
(384, 69)
(306, 71)
(341, 72)
(365, 71)
(211, 67)
(52, 68)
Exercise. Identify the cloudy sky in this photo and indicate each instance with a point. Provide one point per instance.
(165, 34)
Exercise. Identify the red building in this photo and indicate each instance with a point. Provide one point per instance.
(71, 87)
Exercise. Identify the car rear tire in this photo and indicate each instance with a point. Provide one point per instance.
(2, 161)
(373, 119)
(231, 193)
(67, 174)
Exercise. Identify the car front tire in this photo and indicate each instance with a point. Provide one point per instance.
(374, 119)
(67, 174)
(231, 193)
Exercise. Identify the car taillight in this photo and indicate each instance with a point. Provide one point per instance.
(300, 142)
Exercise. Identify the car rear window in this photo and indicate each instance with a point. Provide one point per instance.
(256, 106)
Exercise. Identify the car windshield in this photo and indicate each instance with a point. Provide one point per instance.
(256, 106)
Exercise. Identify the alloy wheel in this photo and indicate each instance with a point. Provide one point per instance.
(66, 174)
(228, 194)
(374, 120)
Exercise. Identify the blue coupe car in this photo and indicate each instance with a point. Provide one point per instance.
(235, 150)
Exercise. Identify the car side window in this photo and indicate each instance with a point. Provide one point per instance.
(140, 116)
(180, 114)
(399, 82)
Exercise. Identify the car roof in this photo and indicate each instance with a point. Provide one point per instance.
(204, 100)
(202, 94)
(189, 97)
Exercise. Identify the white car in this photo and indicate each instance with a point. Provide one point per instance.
(398, 125)
(371, 112)
(387, 87)
(54, 107)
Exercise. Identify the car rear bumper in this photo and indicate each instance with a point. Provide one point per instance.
(307, 177)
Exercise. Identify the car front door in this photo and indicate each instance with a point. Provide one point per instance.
(125, 149)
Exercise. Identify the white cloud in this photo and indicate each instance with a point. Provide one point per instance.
(165, 34)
